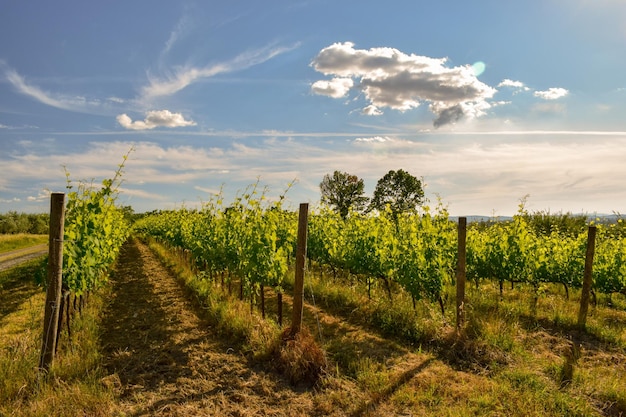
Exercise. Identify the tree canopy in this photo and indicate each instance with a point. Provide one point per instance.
(343, 192)
(400, 190)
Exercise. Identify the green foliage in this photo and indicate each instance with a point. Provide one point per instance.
(344, 192)
(95, 229)
(399, 190)
(418, 254)
(14, 222)
(548, 251)
(252, 238)
(544, 223)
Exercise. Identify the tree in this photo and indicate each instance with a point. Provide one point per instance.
(400, 190)
(344, 192)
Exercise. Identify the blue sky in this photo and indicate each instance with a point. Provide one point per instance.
(487, 101)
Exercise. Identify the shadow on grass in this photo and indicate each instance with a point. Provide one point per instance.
(405, 377)
(17, 285)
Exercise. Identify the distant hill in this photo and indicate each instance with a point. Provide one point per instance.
(597, 217)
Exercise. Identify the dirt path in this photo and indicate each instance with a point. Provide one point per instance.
(164, 360)
(16, 257)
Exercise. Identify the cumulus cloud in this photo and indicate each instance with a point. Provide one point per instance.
(391, 78)
(552, 93)
(511, 83)
(335, 88)
(517, 85)
(155, 118)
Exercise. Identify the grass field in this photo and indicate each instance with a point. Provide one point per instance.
(19, 241)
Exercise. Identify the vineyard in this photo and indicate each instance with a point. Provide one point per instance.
(415, 253)
(380, 298)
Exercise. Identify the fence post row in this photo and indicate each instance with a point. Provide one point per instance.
(54, 280)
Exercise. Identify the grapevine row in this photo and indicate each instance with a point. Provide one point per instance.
(415, 252)
(253, 238)
(95, 229)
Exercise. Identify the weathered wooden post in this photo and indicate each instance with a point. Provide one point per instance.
(298, 290)
(587, 277)
(461, 273)
(54, 280)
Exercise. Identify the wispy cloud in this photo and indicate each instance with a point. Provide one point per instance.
(471, 175)
(186, 76)
(20, 84)
(10, 200)
(379, 139)
(182, 28)
(8, 127)
(76, 103)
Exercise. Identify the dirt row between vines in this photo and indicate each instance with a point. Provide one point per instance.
(164, 359)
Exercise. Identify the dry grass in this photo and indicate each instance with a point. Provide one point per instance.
(512, 358)
(20, 240)
(72, 388)
(300, 358)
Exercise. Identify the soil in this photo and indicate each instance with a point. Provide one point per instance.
(164, 360)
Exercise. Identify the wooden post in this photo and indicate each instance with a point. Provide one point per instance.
(461, 273)
(280, 308)
(54, 279)
(298, 290)
(587, 277)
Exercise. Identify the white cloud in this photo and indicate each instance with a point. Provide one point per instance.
(335, 88)
(552, 93)
(371, 110)
(155, 118)
(189, 75)
(44, 195)
(391, 78)
(379, 139)
(511, 83)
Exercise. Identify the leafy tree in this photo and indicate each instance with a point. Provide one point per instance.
(400, 190)
(343, 192)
